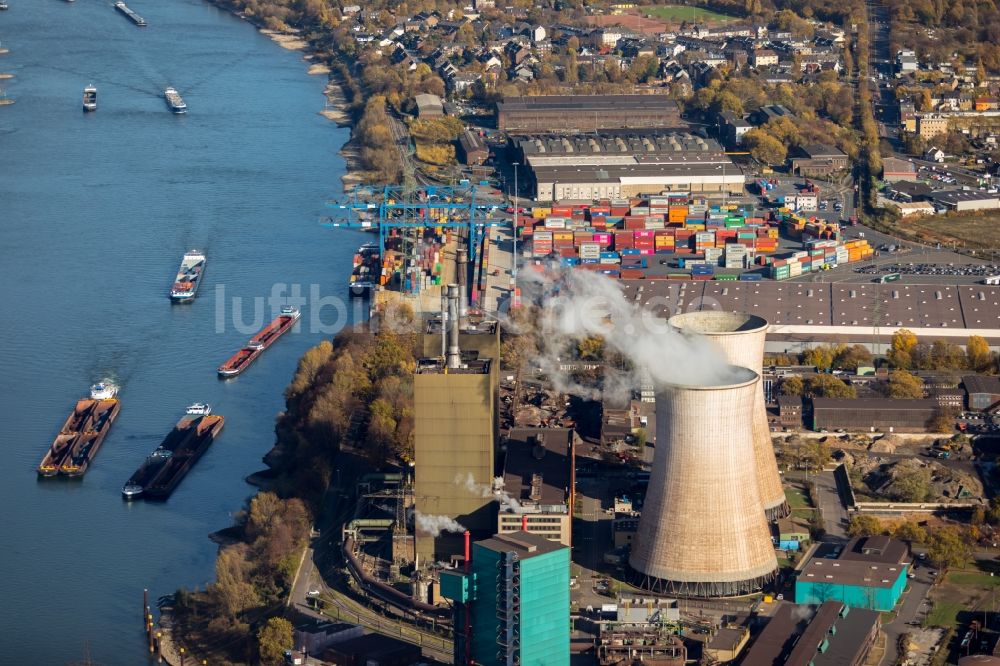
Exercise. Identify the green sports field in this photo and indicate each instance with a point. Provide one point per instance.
(678, 13)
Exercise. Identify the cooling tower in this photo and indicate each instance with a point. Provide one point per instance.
(741, 337)
(702, 531)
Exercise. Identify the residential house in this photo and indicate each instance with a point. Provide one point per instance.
(764, 58)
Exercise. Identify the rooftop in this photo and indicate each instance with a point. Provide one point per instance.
(821, 150)
(874, 404)
(954, 197)
(435, 366)
(850, 572)
(875, 549)
(628, 143)
(574, 173)
(981, 384)
(537, 466)
(525, 544)
(793, 635)
(596, 103)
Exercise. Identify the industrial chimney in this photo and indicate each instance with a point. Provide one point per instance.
(462, 259)
(454, 356)
(702, 531)
(741, 338)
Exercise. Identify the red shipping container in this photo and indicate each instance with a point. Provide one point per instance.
(567, 252)
(632, 274)
(644, 233)
(624, 239)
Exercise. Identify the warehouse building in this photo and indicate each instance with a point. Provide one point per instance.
(558, 183)
(831, 634)
(472, 150)
(961, 200)
(873, 414)
(617, 147)
(870, 573)
(429, 106)
(802, 314)
(818, 160)
(983, 392)
(586, 113)
(538, 481)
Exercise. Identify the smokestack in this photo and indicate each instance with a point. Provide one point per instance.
(524, 523)
(463, 297)
(468, 550)
(702, 531)
(454, 356)
(444, 323)
(741, 338)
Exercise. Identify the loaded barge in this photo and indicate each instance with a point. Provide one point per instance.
(90, 98)
(163, 469)
(188, 277)
(242, 359)
(82, 434)
(131, 15)
(366, 271)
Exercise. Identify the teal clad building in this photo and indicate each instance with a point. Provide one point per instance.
(516, 599)
(870, 573)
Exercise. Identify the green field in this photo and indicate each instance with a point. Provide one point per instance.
(678, 13)
(976, 578)
(797, 498)
(944, 614)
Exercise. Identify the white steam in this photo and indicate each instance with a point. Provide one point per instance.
(434, 525)
(468, 482)
(578, 304)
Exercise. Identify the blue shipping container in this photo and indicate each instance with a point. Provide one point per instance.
(629, 251)
(750, 277)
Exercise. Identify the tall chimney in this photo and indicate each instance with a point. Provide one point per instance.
(444, 323)
(463, 298)
(524, 523)
(454, 356)
(468, 551)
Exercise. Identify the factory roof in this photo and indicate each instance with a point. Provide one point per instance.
(821, 150)
(862, 573)
(955, 197)
(877, 548)
(435, 366)
(537, 466)
(793, 635)
(608, 172)
(811, 308)
(848, 405)
(525, 544)
(433, 327)
(727, 638)
(595, 103)
(981, 384)
(629, 143)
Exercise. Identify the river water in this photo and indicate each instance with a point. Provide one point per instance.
(95, 212)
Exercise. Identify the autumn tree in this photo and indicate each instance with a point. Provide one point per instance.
(793, 385)
(903, 385)
(978, 354)
(591, 348)
(943, 420)
(946, 548)
(765, 148)
(862, 525)
(903, 342)
(273, 639)
(850, 358)
(908, 530)
(828, 386)
(821, 356)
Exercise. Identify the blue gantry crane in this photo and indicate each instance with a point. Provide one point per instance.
(386, 207)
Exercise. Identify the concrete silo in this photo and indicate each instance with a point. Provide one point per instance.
(741, 338)
(702, 531)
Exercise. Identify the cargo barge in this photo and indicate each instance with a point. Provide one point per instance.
(175, 101)
(188, 277)
(366, 271)
(82, 434)
(242, 359)
(164, 468)
(131, 15)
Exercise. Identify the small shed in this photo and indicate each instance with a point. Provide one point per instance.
(429, 106)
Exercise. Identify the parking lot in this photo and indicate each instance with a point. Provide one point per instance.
(951, 269)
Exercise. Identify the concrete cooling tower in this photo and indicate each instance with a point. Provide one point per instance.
(702, 531)
(741, 338)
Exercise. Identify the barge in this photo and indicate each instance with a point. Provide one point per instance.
(130, 15)
(366, 271)
(165, 467)
(175, 101)
(242, 359)
(90, 98)
(82, 434)
(188, 277)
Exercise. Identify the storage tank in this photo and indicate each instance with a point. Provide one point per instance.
(741, 338)
(702, 531)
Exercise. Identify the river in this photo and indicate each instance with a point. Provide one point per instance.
(96, 211)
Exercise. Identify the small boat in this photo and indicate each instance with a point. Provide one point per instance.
(199, 409)
(3, 6)
(90, 98)
(103, 391)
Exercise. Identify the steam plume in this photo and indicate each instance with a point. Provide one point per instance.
(468, 482)
(434, 525)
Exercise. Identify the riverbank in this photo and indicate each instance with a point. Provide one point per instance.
(336, 108)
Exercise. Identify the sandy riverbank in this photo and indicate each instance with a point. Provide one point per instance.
(292, 41)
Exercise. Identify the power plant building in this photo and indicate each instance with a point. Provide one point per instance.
(586, 113)
(512, 604)
(740, 336)
(703, 531)
(538, 481)
(453, 444)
